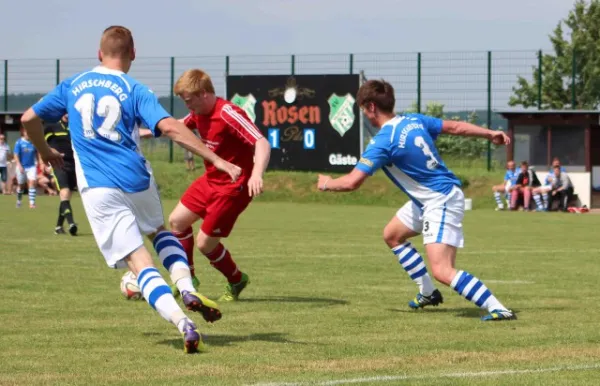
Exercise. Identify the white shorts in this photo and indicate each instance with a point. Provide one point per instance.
(120, 220)
(29, 175)
(438, 224)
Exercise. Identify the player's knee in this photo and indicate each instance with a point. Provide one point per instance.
(391, 238)
(206, 244)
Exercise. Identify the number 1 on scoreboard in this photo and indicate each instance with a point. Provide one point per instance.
(273, 135)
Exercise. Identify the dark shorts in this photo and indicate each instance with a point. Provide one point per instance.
(3, 173)
(65, 177)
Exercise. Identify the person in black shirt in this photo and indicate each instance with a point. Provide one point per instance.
(58, 137)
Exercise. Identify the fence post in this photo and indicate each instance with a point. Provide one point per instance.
(6, 85)
(227, 65)
(489, 107)
(419, 82)
(293, 64)
(351, 64)
(57, 71)
(573, 74)
(172, 104)
(539, 80)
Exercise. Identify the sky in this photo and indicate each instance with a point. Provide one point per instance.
(71, 28)
(384, 35)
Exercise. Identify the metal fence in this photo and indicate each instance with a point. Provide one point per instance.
(464, 82)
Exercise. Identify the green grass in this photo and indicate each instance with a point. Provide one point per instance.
(300, 187)
(327, 302)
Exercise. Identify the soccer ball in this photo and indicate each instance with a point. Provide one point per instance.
(129, 287)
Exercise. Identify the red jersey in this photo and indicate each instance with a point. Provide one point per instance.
(228, 132)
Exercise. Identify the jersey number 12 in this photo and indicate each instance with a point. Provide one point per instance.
(108, 107)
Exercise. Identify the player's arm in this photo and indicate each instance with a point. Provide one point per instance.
(247, 131)
(346, 183)
(155, 118)
(17, 156)
(466, 129)
(375, 156)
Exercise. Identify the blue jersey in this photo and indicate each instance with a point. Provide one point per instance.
(26, 152)
(512, 176)
(106, 108)
(405, 149)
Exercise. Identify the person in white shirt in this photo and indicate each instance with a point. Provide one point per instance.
(4, 157)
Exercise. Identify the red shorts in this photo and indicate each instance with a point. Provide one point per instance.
(219, 209)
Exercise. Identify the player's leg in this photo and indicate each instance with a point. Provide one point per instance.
(536, 193)
(120, 240)
(221, 216)
(499, 191)
(190, 209)
(65, 181)
(526, 198)
(3, 178)
(21, 184)
(404, 225)
(32, 184)
(441, 244)
(148, 212)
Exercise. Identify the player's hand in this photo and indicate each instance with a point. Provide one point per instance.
(54, 158)
(229, 168)
(21, 169)
(499, 138)
(322, 183)
(255, 185)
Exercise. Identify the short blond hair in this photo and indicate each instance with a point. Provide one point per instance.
(117, 41)
(194, 81)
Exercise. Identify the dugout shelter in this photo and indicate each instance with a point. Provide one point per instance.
(571, 135)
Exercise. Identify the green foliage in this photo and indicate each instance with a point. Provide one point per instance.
(450, 145)
(574, 63)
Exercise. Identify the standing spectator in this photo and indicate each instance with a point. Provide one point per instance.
(562, 189)
(510, 180)
(526, 181)
(4, 157)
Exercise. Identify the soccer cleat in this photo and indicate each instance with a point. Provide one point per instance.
(198, 303)
(59, 231)
(73, 229)
(499, 315)
(195, 283)
(18, 204)
(192, 341)
(31, 206)
(421, 300)
(233, 291)
(499, 208)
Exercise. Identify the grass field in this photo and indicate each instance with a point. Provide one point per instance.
(327, 305)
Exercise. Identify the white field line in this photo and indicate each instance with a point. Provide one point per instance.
(392, 378)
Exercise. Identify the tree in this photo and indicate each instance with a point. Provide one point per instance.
(570, 75)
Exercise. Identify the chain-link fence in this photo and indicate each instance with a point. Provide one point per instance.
(464, 82)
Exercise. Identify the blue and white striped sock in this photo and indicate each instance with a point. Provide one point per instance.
(32, 194)
(474, 290)
(498, 198)
(173, 258)
(158, 294)
(538, 201)
(413, 264)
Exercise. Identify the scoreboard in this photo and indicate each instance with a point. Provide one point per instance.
(311, 121)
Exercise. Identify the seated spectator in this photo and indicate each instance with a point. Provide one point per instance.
(45, 180)
(562, 189)
(526, 181)
(510, 180)
(540, 194)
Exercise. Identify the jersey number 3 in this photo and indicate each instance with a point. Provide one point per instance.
(432, 162)
(108, 107)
